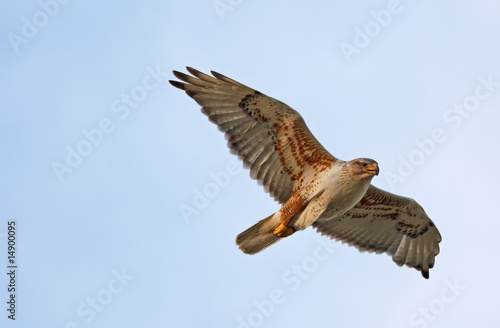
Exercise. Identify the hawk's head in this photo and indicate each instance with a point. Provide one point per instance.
(363, 168)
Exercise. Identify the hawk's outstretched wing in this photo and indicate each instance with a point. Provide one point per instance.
(271, 138)
(383, 222)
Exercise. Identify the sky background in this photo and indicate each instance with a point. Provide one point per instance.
(134, 224)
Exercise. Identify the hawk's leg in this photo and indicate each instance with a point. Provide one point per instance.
(283, 230)
(292, 207)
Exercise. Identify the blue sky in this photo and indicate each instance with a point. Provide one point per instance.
(127, 201)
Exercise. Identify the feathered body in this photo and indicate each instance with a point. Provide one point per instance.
(312, 186)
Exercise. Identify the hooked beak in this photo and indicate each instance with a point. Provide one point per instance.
(372, 169)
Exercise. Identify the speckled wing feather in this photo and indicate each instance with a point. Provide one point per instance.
(383, 222)
(271, 138)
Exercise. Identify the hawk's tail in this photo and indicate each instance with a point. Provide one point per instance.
(259, 236)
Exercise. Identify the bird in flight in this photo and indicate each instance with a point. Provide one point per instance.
(314, 188)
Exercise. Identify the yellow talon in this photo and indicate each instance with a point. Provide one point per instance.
(283, 230)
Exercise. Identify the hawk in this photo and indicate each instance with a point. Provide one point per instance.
(313, 187)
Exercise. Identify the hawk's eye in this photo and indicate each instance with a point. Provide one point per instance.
(364, 164)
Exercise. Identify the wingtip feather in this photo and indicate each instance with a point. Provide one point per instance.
(193, 71)
(180, 75)
(177, 84)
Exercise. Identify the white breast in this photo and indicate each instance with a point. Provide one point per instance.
(342, 194)
(333, 196)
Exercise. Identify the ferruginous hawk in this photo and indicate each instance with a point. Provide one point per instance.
(313, 187)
